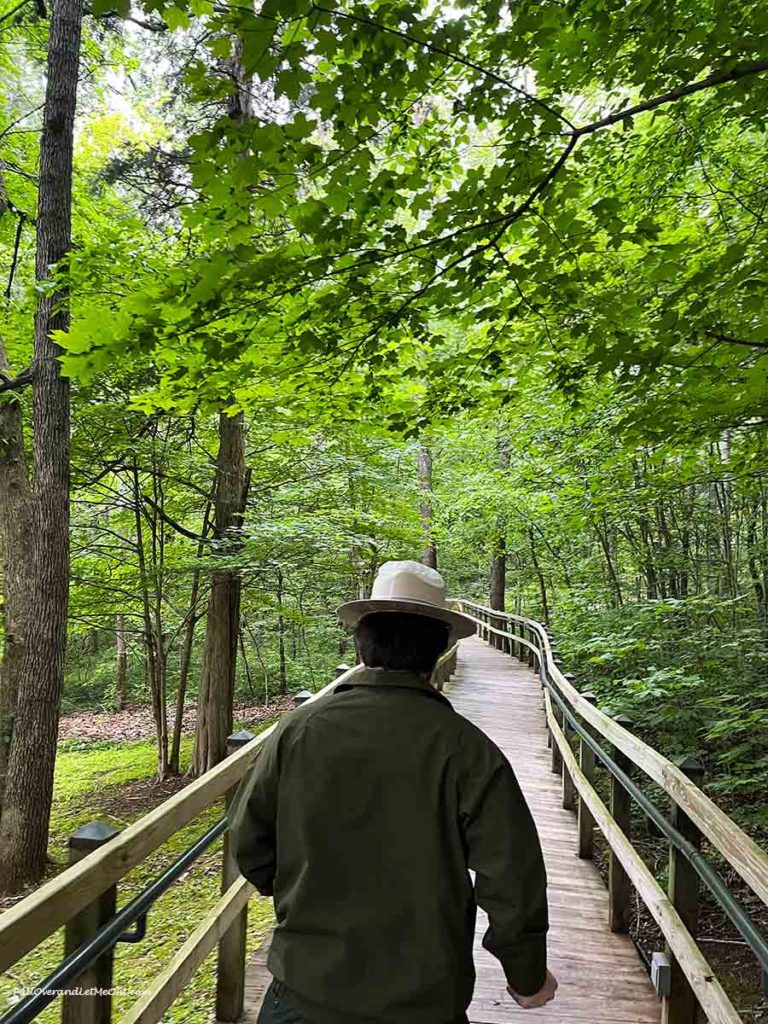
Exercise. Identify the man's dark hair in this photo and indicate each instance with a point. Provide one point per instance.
(398, 640)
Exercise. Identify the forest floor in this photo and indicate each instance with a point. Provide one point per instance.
(135, 722)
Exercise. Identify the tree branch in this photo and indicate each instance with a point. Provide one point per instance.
(715, 79)
(13, 10)
(729, 340)
(15, 256)
(172, 522)
(25, 378)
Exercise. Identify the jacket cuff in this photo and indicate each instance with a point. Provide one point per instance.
(526, 968)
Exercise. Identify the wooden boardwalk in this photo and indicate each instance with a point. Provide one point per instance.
(602, 980)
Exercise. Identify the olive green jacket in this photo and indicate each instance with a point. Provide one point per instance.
(361, 815)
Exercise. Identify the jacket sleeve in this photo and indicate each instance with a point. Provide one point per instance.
(252, 817)
(504, 851)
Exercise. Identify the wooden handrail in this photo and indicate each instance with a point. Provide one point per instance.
(708, 990)
(693, 980)
(732, 842)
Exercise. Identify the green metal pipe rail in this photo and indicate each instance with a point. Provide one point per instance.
(110, 934)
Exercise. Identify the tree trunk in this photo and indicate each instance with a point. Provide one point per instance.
(222, 627)
(539, 576)
(246, 665)
(217, 677)
(29, 783)
(158, 579)
(91, 642)
(15, 562)
(429, 555)
(281, 634)
(151, 639)
(187, 646)
(498, 573)
(613, 579)
(649, 565)
(121, 678)
(498, 583)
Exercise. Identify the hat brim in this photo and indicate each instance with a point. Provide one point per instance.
(353, 611)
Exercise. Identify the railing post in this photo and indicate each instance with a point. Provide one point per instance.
(569, 790)
(556, 758)
(587, 765)
(230, 967)
(493, 620)
(443, 670)
(94, 1007)
(530, 657)
(619, 887)
(512, 626)
(680, 1006)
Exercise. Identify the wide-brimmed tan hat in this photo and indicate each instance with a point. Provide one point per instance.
(408, 587)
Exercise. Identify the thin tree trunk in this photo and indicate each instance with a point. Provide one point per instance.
(29, 782)
(305, 644)
(498, 569)
(283, 678)
(15, 562)
(187, 647)
(753, 559)
(121, 678)
(158, 577)
(151, 641)
(539, 576)
(185, 662)
(259, 657)
(429, 555)
(498, 581)
(613, 579)
(246, 665)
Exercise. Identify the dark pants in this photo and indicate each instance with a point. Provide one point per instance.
(274, 1009)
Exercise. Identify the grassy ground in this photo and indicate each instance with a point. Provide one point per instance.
(115, 783)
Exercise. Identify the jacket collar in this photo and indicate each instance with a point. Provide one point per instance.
(364, 676)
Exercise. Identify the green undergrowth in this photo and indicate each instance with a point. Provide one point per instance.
(693, 683)
(90, 783)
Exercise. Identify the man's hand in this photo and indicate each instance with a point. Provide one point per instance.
(545, 994)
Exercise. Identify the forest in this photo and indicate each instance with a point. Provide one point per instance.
(291, 289)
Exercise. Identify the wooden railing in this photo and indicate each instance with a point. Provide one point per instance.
(82, 899)
(682, 975)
